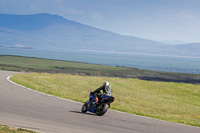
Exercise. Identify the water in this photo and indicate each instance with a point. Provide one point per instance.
(148, 62)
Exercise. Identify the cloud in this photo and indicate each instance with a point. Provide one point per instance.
(186, 15)
(74, 11)
(96, 16)
(68, 12)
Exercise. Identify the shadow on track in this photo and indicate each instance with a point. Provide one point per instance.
(78, 112)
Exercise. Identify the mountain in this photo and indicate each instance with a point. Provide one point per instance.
(53, 32)
(190, 47)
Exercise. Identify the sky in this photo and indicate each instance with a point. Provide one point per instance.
(168, 21)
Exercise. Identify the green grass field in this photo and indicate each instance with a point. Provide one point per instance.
(6, 129)
(175, 102)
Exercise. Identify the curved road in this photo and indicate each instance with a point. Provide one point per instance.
(20, 107)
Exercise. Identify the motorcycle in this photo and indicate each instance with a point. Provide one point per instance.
(100, 108)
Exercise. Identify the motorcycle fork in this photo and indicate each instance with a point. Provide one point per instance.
(89, 101)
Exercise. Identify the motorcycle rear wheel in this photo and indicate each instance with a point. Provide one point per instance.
(103, 110)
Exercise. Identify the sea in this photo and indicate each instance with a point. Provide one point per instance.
(140, 61)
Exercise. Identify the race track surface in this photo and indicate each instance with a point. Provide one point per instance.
(20, 107)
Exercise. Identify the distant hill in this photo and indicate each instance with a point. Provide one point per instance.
(193, 47)
(53, 32)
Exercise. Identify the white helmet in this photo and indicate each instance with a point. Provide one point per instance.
(106, 84)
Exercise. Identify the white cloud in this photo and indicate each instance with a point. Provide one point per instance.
(74, 11)
(186, 15)
(96, 16)
(69, 13)
(34, 8)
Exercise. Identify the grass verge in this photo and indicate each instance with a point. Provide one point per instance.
(18, 63)
(6, 129)
(175, 102)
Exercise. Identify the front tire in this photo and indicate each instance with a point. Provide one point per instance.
(84, 108)
(103, 110)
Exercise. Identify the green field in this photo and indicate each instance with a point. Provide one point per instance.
(6, 129)
(175, 102)
(17, 63)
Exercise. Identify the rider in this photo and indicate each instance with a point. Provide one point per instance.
(106, 90)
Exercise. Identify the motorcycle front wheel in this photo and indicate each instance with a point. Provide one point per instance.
(84, 108)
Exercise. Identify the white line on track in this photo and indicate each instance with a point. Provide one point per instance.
(8, 78)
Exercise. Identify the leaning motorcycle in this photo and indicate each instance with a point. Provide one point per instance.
(100, 108)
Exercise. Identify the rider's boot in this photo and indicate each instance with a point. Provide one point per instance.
(96, 100)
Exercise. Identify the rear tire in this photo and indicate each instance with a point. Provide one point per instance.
(84, 108)
(103, 110)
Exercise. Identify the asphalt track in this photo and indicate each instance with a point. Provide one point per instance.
(24, 108)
